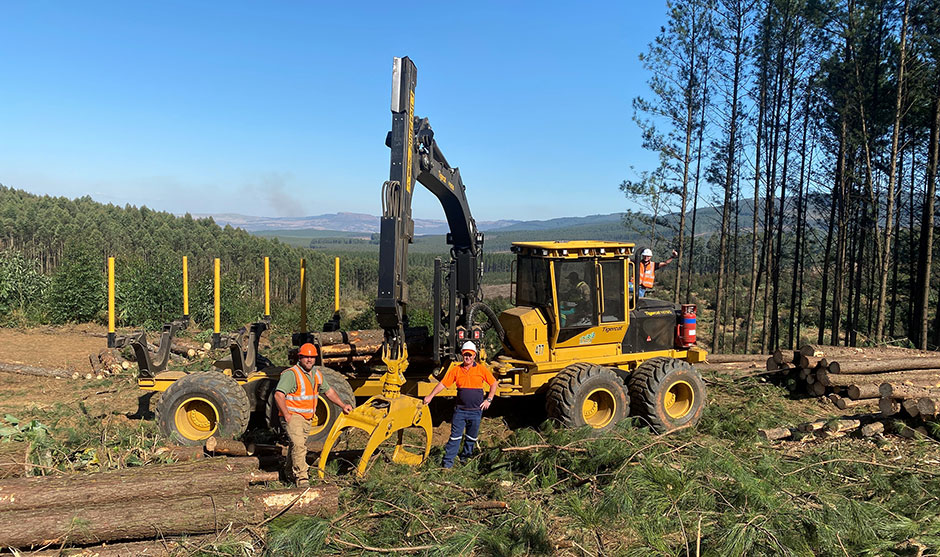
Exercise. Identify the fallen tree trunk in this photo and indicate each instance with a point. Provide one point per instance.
(734, 358)
(232, 447)
(36, 371)
(146, 482)
(155, 517)
(920, 377)
(882, 366)
(898, 390)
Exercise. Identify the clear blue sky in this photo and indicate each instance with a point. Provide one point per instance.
(281, 108)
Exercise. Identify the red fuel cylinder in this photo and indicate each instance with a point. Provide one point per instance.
(687, 326)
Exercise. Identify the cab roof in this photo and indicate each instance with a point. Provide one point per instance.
(574, 248)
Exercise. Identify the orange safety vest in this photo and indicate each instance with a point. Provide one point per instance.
(647, 274)
(303, 400)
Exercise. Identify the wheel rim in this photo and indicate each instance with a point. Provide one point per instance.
(599, 408)
(197, 418)
(679, 400)
(321, 417)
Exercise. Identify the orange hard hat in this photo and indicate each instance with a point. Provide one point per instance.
(307, 350)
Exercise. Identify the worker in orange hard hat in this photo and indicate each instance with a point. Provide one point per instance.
(470, 378)
(296, 398)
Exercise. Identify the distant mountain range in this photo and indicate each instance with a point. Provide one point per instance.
(369, 224)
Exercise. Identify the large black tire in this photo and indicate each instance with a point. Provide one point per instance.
(587, 394)
(668, 393)
(201, 405)
(326, 411)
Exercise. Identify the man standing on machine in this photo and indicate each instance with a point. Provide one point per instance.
(647, 270)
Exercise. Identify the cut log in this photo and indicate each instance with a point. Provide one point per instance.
(154, 517)
(881, 366)
(843, 425)
(775, 433)
(735, 358)
(888, 406)
(845, 404)
(818, 389)
(36, 371)
(872, 429)
(778, 357)
(14, 459)
(910, 407)
(928, 407)
(810, 362)
(812, 426)
(863, 391)
(180, 453)
(900, 390)
(146, 482)
(922, 377)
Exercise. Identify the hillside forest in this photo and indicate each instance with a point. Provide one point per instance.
(798, 148)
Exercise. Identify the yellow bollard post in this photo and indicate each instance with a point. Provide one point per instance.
(267, 289)
(336, 286)
(303, 295)
(185, 289)
(111, 335)
(216, 335)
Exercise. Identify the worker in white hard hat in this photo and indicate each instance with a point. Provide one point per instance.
(470, 376)
(647, 270)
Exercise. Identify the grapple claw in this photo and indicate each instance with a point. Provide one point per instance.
(381, 417)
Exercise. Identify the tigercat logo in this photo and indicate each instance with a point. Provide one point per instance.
(586, 339)
(661, 312)
(612, 329)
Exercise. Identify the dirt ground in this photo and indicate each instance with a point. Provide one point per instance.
(65, 347)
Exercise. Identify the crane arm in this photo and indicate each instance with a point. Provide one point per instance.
(417, 157)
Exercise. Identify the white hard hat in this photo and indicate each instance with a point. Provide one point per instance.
(468, 346)
(648, 252)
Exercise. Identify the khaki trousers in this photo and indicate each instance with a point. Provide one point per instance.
(297, 431)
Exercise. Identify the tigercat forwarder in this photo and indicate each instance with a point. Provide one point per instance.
(577, 332)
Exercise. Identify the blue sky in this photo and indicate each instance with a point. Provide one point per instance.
(281, 108)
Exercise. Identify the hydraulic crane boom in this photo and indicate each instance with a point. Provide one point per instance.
(416, 156)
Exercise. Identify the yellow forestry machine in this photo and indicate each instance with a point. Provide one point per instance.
(577, 332)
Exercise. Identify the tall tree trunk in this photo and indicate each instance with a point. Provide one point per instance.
(926, 233)
(932, 165)
(800, 219)
(841, 199)
(728, 183)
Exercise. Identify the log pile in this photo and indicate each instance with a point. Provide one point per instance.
(854, 374)
(861, 425)
(195, 497)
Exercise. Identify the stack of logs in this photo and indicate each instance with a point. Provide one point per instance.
(364, 348)
(198, 496)
(852, 377)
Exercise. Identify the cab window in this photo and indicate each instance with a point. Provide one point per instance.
(576, 286)
(613, 284)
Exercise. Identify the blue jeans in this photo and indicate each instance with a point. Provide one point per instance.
(641, 292)
(464, 423)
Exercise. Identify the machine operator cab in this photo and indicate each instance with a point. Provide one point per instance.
(575, 301)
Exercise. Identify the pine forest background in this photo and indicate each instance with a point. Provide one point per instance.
(798, 148)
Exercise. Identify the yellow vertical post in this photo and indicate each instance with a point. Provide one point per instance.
(336, 285)
(185, 288)
(303, 295)
(267, 287)
(217, 302)
(111, 336)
